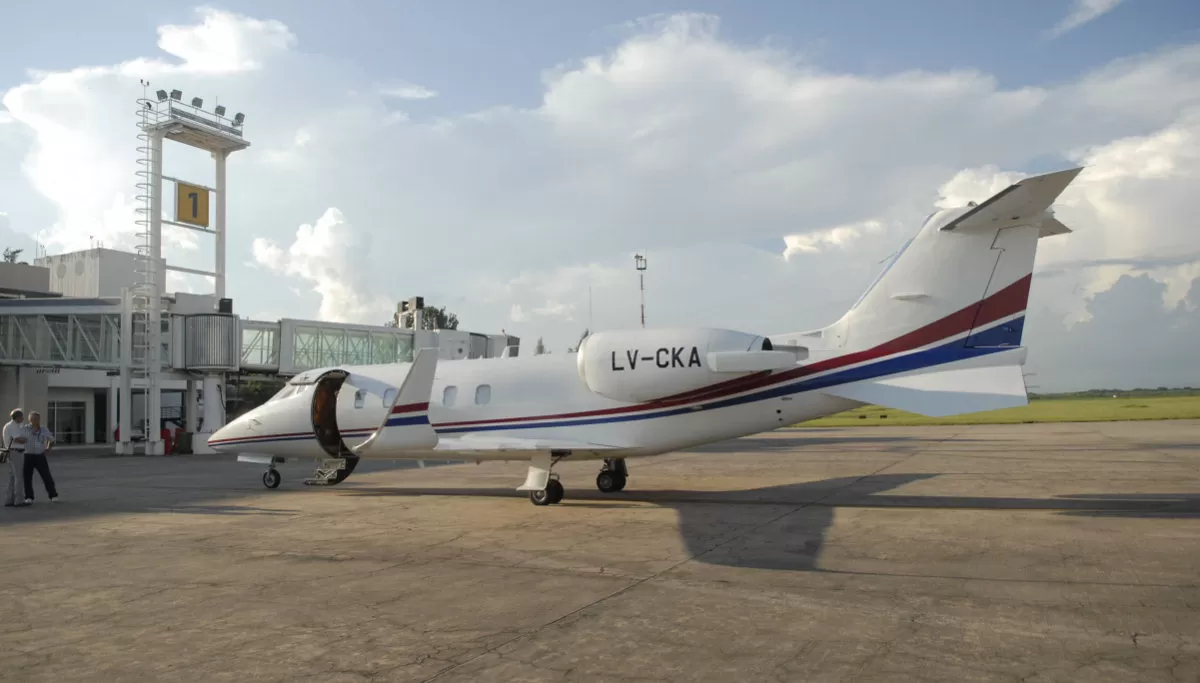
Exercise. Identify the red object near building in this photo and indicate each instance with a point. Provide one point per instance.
(168, 440)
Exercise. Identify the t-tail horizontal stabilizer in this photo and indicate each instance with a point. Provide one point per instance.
(406, 424)
(985, 383)
(1026, 202)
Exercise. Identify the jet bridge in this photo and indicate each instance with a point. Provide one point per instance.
(60, 332)
(291, 346)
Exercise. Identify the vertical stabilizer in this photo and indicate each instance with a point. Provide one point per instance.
(963, 280)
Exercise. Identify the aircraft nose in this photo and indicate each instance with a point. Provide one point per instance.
(231, 436)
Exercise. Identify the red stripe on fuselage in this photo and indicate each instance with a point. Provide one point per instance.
(1012, 299)
(410, 408)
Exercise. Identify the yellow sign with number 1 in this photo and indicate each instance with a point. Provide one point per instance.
(191, 204)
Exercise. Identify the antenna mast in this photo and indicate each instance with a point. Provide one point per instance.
(639, 262)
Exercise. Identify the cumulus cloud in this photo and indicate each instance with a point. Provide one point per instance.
(84, 125)
(224, 42)
(1083, 11)
(407, 91)
(335, 258)
(842, 237)
(1123, 345)
(677, 141)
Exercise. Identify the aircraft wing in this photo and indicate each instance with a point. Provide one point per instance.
(405, 425)
(1017, 204)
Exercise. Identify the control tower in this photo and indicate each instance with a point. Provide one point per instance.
(163, 117)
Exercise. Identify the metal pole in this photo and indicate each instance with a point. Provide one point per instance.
(642, 287)
(220, 226)
(124, 389)
(639, 262)
(153, 402)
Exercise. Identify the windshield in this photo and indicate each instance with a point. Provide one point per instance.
(289, 390)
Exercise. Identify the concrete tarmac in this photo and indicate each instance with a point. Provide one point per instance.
(1066, 552)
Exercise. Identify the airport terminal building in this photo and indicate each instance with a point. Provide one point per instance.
(67, 324)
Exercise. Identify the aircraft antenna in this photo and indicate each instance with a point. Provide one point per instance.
(639, 262)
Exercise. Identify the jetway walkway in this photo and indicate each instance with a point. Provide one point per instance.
(291, 346)
(86, 334)
(63, 333)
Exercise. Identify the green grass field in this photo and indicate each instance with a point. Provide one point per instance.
(1038, 410)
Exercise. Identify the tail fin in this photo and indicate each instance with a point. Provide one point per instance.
(965, 275)
(952, 305)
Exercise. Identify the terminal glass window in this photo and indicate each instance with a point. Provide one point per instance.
(67, 420)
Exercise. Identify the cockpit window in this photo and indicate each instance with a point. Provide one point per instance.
(282, 393)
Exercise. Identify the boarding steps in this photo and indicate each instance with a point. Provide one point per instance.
(332, 471)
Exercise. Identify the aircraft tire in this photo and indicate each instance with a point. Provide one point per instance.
(555, 488)
(271, 479)
(609, 481)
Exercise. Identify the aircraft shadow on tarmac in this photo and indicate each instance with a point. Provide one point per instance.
(790, 536)
(780, 527)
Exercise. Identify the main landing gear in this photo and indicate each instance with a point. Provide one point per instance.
(613, 476)
(545, 488)
(552, 494)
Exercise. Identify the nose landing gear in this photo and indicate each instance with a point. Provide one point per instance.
(271, 478)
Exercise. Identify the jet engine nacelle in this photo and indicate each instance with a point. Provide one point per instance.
(644, 365)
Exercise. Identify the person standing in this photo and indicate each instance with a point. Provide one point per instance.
(14, 436)
(38, 442)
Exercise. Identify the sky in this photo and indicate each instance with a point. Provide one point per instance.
(507, 160)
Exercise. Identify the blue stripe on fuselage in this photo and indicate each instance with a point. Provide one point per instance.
(408, 420)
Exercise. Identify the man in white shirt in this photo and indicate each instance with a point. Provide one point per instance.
(15, 435)
(38, 441)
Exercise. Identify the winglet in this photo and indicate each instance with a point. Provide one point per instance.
(406, 425)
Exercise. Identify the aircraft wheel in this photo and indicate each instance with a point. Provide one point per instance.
(609, 481)
(555, 488)
(271, 479)
(540, 497)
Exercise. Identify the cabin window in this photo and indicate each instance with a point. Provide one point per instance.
(448, 395)
(388, 397)
(359, 397)
(483, 394)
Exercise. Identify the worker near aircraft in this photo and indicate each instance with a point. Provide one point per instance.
(14, 436)
(38, 442)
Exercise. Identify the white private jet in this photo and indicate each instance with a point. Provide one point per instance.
(938, 333)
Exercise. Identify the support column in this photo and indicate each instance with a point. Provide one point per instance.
(191, 407)
(114, 392)
(219, 226)
(125, 397)
(154, 445)
(214, 413)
